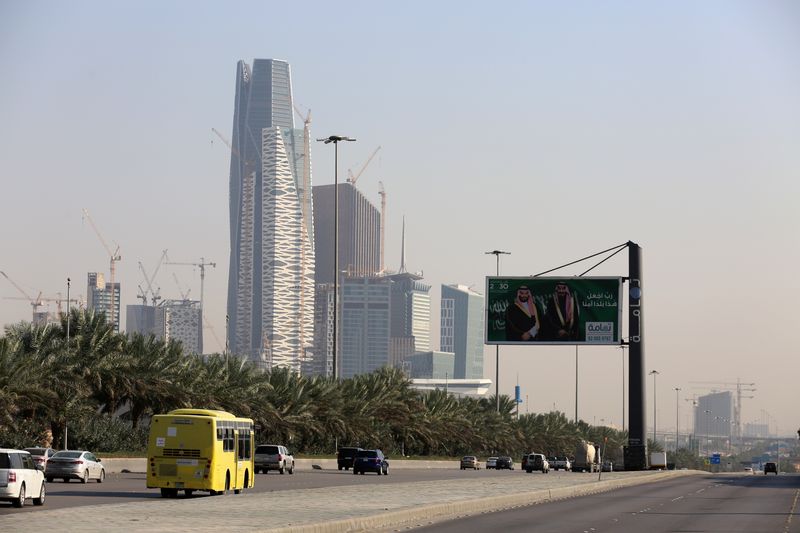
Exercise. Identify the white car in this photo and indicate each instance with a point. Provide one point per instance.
(20, 480)
(75, 464)
(491, 462)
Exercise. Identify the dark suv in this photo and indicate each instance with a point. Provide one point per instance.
(770, 467)
(346, 457)
(371, 461)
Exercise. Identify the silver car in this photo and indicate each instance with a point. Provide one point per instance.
(75, 464)
(273, 457)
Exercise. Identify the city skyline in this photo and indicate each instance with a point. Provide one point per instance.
(674, 126)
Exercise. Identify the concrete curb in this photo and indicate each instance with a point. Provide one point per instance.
(115, 465)
(450, 510)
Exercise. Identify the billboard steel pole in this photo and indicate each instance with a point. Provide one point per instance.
(637, 444)
(497, 254)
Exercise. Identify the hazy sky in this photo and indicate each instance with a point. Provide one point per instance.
(552, 130)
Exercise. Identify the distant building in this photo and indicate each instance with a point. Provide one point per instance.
(432, 365)
(474, 388)
(140, 319)
(714, 415)
(181, 320)
(177, 320)
(365, 305)
(462, 332)
(359, 233)
(359, 256)
(271, 273)
(99, 297)
(411, 309)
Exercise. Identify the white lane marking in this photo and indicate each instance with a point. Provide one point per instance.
(678, 498)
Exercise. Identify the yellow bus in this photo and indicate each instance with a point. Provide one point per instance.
(199, 449)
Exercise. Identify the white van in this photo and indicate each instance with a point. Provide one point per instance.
(20, 480)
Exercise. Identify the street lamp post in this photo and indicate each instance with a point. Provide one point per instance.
(677, 418)
(67, 348)
(654, 373)
(335, 139)
(707, 412)
(622, 346)
(497, 254)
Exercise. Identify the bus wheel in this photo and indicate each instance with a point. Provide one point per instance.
(227, 482)
(168, 493)
(188, 492)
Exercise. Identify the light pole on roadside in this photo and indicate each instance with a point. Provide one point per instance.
(677, 417)
(622, 347)
(707, 412)
(67, 347)
(335, 139)
(654, 373)
(497, 254)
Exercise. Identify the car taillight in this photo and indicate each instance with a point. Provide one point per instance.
(280, 457)
(12, 477)
(76, 462)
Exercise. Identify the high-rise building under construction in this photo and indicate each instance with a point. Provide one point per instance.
(271, 274)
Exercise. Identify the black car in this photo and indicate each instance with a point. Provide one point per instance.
(505, 463)
(770, 467)
(346, 457)
(371, 461)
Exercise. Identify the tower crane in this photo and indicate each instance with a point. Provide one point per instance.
(113, 258)
(154, 295)
(351, 178)
(202, 266)
(36, 303)
(382, 193)
(184, 294)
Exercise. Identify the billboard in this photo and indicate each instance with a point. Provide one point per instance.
(551, 310)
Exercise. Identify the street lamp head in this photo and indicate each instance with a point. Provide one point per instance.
(656, 372)
(497, 252)
(335, 139)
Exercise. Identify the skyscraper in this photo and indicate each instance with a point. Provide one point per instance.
(365, 324)
(359, 255)
(271, 275)
(462, 330)
(98, 297)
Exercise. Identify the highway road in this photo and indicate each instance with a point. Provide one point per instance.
(722, 503)
(124, 488)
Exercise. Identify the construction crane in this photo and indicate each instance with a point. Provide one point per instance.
(154, 295)
(36, 303)
(184, 294)
(202, 266)
(113, 258)
(351, 178)
(382, 193)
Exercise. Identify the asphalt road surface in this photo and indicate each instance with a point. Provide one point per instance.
(696, 504)
(124, 488)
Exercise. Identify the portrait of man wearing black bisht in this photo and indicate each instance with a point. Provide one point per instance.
(522, 317)
(561, 315)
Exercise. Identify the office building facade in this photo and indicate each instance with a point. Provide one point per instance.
(271, 272)
(411, 309)
(365, 324)
(714, 415)
(359, 255)
(100, 295)
(461, 329)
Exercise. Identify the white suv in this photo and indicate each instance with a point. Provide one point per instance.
(20, 480)
(273, 457)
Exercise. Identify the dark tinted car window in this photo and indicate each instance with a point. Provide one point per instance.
(27, 461)
(5, 462)
(16, 460)
(68, 455)
(272, 450)
(348, 452)
(35, 451)
(368, 453)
